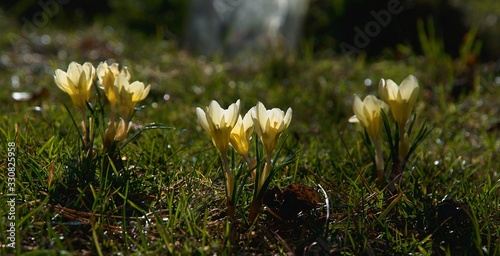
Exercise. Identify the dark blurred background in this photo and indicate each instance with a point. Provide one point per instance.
(318, 26)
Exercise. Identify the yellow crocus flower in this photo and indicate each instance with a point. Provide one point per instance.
(107, 75)
(242, 133)
(401, 99)
(270, 124)
(128, 94)
(76, 82)
(368, 112)
(219, 122)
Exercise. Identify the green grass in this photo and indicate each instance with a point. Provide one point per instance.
(171, 199)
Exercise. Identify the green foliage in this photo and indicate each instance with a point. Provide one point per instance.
(440, 62)
(171, 199)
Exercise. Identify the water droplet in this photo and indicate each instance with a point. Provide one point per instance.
(198, 89)
(45, 39)
(368, 82)
(62, 54)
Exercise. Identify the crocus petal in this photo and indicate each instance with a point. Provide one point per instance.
(74, 72)
(248, 123)
(382, 90)
(261, 117)
(82, 83)
(145, 92)
(114, 70)
(358, 110)
(392, 89)
(125, 72)
(408, 86)
(409, 89)
(89, 73)
(135, 89)
(238, 139)
(214, 111)
(62, 81)
(101, 72)
(202, 119)
(288, 118)
(233, 112)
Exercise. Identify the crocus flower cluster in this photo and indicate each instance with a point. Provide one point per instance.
(121, 94)
(227, 128)
(400, 100)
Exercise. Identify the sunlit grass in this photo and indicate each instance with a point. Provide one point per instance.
(172, 201)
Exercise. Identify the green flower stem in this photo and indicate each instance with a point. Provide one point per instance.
(231, 209)
(255, 209)
(250, 163)
(85, 130)
(257, 201)
(112, 115)
(403, 146)
(379, 161)
(265, 173)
